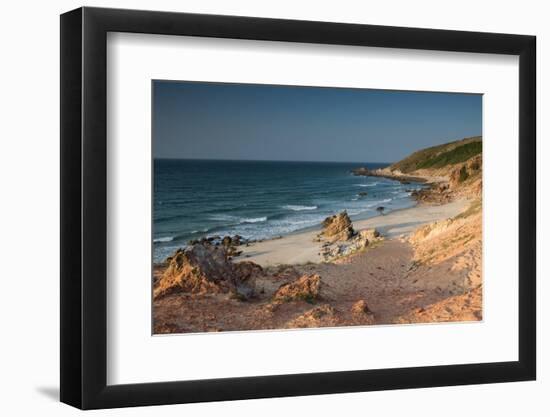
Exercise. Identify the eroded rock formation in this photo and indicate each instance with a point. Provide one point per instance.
(307, 288)
(338, 227)
(333, 250)
(322, 316)
(204, 268)
(361, 311)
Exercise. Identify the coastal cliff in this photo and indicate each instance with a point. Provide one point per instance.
(452, 170)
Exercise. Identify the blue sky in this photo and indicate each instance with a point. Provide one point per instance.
(267, 122)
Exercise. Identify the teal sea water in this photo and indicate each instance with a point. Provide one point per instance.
(260, 199)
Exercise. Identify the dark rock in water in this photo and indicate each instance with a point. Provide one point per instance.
(363, 171)
(363, 194)
(226, 241)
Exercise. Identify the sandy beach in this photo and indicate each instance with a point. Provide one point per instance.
(413, 265)
(304, 247)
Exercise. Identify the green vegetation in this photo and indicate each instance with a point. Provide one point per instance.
(459, 154)
(440, 155)
(463, 174)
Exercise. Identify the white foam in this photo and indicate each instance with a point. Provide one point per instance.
(163, 239)
(254, 220)
(222, 217)
(387, 200)
(299, 208)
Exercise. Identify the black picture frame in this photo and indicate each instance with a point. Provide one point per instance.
(84, 207)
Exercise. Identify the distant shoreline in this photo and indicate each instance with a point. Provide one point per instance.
(383, 173)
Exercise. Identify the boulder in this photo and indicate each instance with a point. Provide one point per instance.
(358, 242)
(231, 244)
(361, 307)
(247, 270)
(227, 241)
(307, 288)
(369, 234)
(360, 311)
(338, 227)
(205, 268)
(322, 316)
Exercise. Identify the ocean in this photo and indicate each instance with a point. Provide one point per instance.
(261, 199)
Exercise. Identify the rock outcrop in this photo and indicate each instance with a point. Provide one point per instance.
(230, 243)
(322, 316)
(361, 312)
(306, 288)
(469, 170)
(333, 250)
(338, 227)
(387, 173)
(204, 268)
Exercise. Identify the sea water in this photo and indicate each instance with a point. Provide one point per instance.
(261, 199)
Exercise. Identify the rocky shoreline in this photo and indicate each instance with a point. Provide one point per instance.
(417, 265)
(362, 277)
(384, 173)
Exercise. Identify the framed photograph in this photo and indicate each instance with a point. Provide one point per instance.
(258, 208)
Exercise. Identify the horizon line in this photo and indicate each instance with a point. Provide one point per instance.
(269, 160)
